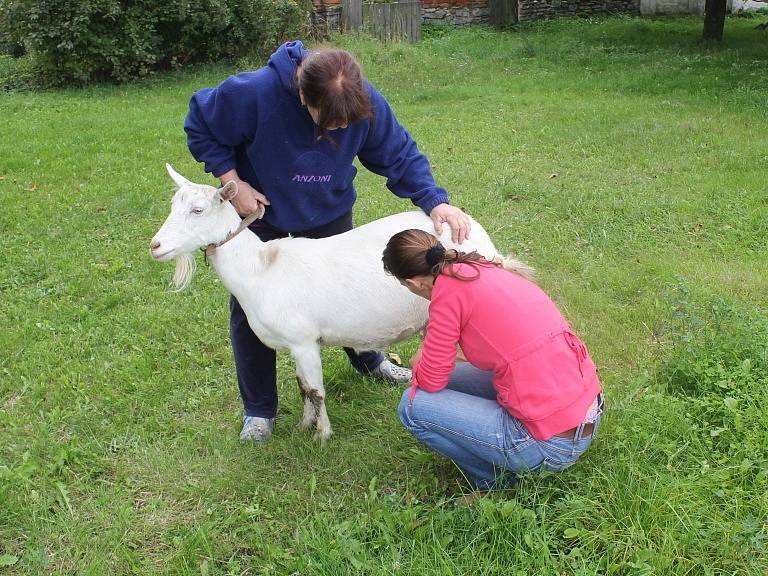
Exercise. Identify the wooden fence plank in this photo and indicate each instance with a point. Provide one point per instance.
(391, 21)
(352, 15)
(502, 12)
(415, 35)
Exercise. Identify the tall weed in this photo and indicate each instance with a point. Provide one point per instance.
(718, 363)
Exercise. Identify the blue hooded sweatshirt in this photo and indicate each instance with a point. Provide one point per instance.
(255, 123)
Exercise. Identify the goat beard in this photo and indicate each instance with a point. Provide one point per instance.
(185, 268)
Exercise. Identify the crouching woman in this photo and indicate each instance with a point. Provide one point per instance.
(527, 397)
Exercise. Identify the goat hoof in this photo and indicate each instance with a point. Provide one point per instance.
(305, 424)
(321, 437)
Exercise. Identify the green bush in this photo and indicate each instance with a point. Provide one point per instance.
(18, 73)
(79, 41)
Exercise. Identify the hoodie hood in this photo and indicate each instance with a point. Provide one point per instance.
(285, 60)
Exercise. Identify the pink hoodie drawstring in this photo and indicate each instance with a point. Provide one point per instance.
(578, 347)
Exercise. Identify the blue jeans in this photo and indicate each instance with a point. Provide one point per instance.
(465, 423)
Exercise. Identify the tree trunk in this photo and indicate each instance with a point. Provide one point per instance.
(714, 19)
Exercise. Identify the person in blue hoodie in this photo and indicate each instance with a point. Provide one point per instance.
(288, 134)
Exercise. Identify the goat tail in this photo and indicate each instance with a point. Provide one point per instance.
(512, 264)
(185, 268)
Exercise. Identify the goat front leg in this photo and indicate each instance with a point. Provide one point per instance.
(309, 371)
(310, 414)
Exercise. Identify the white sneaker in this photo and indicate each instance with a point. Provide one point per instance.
(392, 372)
(257, 429)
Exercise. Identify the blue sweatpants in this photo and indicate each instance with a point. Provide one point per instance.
(256, 363)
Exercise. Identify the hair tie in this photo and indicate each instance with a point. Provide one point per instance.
(435, 255)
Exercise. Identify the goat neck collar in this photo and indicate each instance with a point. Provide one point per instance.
(247, 221)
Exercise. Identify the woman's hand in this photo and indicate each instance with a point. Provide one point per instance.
(455, 218)
(247, 200)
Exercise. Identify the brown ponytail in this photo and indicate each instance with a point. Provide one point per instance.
(412, 253)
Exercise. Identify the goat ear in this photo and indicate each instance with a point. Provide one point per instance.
(228, 191)
(177, 178)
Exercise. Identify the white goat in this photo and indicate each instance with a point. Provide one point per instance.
(299, 294)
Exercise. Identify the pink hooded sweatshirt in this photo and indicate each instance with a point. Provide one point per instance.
(543, 374)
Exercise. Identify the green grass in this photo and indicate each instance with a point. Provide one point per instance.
(620, 157)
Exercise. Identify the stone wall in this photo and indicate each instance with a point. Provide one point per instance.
(327, 14)
(456, 12)
(326, 17)
(539, 9)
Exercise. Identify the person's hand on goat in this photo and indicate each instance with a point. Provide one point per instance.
(247, 200)
(455, 218)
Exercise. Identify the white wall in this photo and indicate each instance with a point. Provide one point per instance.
(660, 7)
(738, 5)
